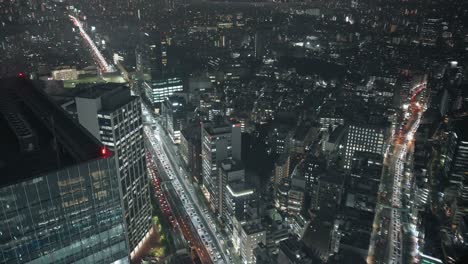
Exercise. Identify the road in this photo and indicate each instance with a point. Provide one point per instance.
(199, 216)
(97, 55)
(388, 244)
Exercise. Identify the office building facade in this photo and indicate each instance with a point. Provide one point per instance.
(59, 196)
(173, 115)
(112, 115)
(230, 170)
(221, 140)
(250, 237)
(190, 150)
(156, 91)
(363, 138)
(281, 169)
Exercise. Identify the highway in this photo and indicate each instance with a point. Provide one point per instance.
(173, 209)
(199, 216)
(97, 55)
(388, 244)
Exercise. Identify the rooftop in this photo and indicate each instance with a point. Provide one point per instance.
(337, 134)
(332, 176)
(53, 141)
(294, 251)
(253, 228)
(192, 133)
(218, 126)
(231, 165)
(239, 189)
(301, 132)
(113, 95)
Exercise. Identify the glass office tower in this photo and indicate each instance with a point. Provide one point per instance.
(59, 189)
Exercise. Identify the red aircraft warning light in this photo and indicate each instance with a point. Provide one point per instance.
(105, 152)
(21, 75)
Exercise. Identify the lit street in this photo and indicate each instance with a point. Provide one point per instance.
(387, 240)
(200, 219)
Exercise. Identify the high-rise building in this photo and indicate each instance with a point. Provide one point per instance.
(250, 236)
(366, 138)
(295, 201)
(330, 116)
(279, 140)
(59, 188)
(296, 195)
(112, 115)
(221, 140)
(313, 167)
(235, 193)
(173, 116)
(281, 169)
(282, 193)
(230, 170)
(151, 56)
(237, 197)
(190, 150)
(156, 91)
(289, 196)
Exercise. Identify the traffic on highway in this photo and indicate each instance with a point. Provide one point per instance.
(199, 217)
(387, 240)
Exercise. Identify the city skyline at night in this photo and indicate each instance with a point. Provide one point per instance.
(234, 132)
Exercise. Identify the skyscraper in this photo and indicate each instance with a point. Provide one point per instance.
(112, 115)
(220, 140)
(59, 190)
(366, 138)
